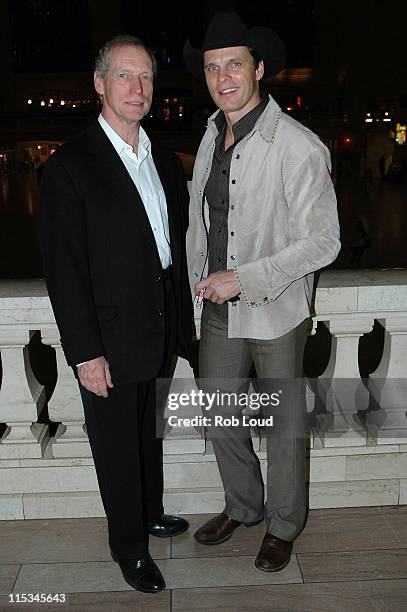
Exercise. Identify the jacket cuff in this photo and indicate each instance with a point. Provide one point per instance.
(254, 288)
(79, 355)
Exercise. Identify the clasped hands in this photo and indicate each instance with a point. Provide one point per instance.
(218, 287)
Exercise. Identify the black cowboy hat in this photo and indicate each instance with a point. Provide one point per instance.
(227, 29)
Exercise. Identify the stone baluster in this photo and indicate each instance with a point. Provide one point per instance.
(340, 388)
(311, 402)
(22, 398)
(184, 439)
(310, 397)
(65, 405)
(387, 424)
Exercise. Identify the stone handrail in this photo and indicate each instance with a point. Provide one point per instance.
(347, 302)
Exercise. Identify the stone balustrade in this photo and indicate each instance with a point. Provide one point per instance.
(358, 444)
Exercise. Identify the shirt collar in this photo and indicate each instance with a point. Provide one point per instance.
(117, 141)
(245, 125)
(266, 124)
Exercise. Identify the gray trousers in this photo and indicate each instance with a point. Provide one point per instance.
(224, 365)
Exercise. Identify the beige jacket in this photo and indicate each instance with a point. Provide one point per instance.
(282, 222)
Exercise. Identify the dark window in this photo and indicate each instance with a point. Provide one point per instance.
(164, 27)
(50, 35)
(293, 20)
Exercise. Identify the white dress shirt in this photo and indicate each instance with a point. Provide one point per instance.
(144, 175)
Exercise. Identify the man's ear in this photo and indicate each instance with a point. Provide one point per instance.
(98, 82)
(260, 70)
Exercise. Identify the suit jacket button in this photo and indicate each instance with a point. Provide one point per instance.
(160, 312)
(157, 279)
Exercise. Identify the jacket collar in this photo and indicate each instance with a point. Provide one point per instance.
(119, 144)
(266, 124)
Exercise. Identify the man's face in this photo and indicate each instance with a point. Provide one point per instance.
(127, 86)
(232, 80)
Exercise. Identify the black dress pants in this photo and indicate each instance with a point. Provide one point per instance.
(126, 450)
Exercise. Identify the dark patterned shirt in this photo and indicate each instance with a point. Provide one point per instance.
(217, 189)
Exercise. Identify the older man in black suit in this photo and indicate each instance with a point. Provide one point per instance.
(113, 223)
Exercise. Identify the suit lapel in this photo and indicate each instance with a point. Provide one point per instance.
(111, 170)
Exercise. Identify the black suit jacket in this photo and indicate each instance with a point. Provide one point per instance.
(101, 261)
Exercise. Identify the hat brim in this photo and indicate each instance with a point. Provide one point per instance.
(267, 44)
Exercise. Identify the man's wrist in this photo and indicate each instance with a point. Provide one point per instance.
(83, 362)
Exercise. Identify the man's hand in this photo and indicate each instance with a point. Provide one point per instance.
(95, 376)
(219, 287)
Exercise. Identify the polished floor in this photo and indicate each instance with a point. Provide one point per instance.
(345, 560)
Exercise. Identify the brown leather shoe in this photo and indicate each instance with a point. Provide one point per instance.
(217, 530)
(274, 554)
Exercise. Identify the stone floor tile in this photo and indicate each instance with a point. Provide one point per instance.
(62, 540)
(378, 595)
(357, 565)
(133, 601)
(350, 558)
(87, 577)
(398, 522)
(223, 571)
(160, 548)
(115, 601)
(341, 529)
(8, 575)
(178, 573)
(245, 541)
(326, 530)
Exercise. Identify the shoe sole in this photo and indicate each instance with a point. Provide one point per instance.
(214, 543)
(227, 537)
(173, 535)
(277, 569)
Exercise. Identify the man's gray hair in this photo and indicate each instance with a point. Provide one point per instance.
(102, 56)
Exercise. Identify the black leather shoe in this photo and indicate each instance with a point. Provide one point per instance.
(168, 526)
(141, 574)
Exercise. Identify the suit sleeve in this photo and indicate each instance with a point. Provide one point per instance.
(63, 240)
(313, 226)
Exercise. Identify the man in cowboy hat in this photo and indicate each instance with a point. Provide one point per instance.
(263, 218)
